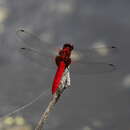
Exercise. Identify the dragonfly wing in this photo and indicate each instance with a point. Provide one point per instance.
(37, 57)
(31, 40)
(95, 54)
(92, 68)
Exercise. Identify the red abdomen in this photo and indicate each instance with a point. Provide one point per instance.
(58, 76)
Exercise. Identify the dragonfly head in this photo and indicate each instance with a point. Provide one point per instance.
(66, 51)
(70, 46)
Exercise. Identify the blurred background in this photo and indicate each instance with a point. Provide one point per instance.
(94, 102)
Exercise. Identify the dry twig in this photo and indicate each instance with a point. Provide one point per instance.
(65, 82)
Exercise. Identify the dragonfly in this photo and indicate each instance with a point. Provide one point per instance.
(68, 56)
(82, 61)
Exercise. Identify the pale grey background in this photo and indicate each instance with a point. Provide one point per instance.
(95, 102)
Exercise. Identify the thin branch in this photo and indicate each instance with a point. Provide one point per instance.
(65, 83)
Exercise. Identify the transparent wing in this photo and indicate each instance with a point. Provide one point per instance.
(87, 60)
(92, 54)
(37, 57)
(94, 60)
(35, 49)
(77, 68)
(95, 54)
(81, 67)
(32, 41)
(92, 68)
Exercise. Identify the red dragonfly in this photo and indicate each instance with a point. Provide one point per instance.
(62, 61)
(86, 60)
(83, 62)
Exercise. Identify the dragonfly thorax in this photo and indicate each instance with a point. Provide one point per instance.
(64, 55)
